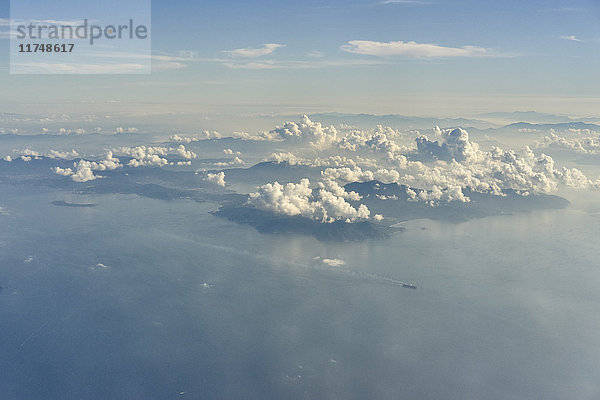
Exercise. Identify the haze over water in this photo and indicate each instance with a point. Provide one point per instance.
(187, 304)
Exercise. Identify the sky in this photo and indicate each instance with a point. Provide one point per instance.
(411, 57)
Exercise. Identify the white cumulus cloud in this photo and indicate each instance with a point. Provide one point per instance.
(217, 179)
(319, 136)
(333, 262)
(326, 204)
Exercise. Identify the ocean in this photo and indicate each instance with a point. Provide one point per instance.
(137, 298)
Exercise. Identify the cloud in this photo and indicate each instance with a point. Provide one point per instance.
(564, 9)
(154, 156)
(167, 66)
(298, 64)
(379, 139)
(63, 131)
(412, 49)
(455, 163)
(187, 154)
(188, 54)
(586, 145)
(62, 154)
(415, 2)
(356, 174)
(29, 152)
(331, 161)
(78, 68)
(455, 146)
(250, 52)
(84, 170)
(184, 139)
(438, 195)
(153, 160)
(217, 179)
(231, 152)
(572, 38)
(120, 129)
(145, 156)
(235, 161)
(319, 136)
(333, 262)
(326, 204)
(253, 65)
(214, 135)
(63, 171)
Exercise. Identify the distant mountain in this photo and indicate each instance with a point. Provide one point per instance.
(527, 116)
(557, 127)
(339, 231)
(391, 200)
(364, 121)
(270, 171)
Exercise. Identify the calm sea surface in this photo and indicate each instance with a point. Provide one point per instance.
(146, 299)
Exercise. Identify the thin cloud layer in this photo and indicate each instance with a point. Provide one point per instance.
(412, 49)
(251, 52)
(572, 38)
(409, 2)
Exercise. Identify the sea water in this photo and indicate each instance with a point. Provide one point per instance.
(138, 298)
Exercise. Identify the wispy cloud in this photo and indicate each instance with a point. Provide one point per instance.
(253, 65)
(188, 54)
(413, 49)
(72, 68)
(12, 33)
(315, 54)
(251, 52)
(160, 62)
(5, 22)
(412, 2)
(297, 64)
(167, 66)
(564, 9)
(572, 38)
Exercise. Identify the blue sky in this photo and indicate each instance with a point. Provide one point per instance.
(349, 56)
